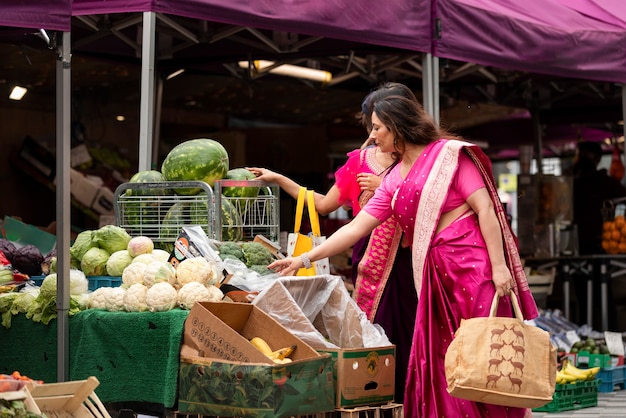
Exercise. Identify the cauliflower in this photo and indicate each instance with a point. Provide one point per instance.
(191, 293)
(144, 258)
(134, 273)
(196, 269)
(135, 298)
(256, 254)
(160, 255)
(98, 298)
(230, 249)
(215, 294)
(161, 297)
(115, 299)
(159, 271)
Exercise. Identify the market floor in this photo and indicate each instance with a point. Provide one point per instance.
(610, 405)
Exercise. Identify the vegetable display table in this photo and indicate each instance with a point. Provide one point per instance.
(135, 356)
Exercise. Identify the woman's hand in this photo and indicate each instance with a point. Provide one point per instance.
(368, 181)
(264, 174)
(502, 279)
(287, 266)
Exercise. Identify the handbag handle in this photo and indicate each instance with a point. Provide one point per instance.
(299, 209)
(313, 218)
(516, 308)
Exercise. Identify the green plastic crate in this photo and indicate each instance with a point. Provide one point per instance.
(572, 396)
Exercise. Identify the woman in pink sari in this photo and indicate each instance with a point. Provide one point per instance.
(443, 195)
(381, 261)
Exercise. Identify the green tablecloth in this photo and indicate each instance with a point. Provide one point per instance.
(134, 355)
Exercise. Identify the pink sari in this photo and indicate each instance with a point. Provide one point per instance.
(378, 259)
(452, 276)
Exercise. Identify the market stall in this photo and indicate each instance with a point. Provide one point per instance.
(135, 356)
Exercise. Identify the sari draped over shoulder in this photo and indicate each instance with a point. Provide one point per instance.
(452, 277)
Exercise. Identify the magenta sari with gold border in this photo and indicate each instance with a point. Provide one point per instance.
(452, 276)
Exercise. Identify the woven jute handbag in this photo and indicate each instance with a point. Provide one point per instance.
(501, 361)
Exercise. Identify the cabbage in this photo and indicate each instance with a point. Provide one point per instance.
(94, 262)
(111, 238)
(78, 284)
(82, 243)
(117, 262)
(8, 248)
(27, 260)
(140, 245)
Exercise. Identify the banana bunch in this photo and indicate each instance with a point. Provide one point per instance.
(570, 373)
(280, 356)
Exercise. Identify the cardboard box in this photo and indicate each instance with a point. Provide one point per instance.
(79, 155)
(320, 311)
(363, 376)
(104, 202)
(222, 374)
(83, 189)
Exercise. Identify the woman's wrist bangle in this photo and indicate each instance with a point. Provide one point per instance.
(306, 262)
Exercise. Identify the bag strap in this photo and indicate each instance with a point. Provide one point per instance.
(313, 218)
(299, 209)
(516, 308)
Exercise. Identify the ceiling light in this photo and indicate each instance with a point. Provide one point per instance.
(175, 74)
(17, 93)
(289, 70)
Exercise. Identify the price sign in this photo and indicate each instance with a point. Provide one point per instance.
(614, 343)
(572, 337)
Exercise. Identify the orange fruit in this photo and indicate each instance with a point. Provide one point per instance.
(621, 248)
(619, 221)
(608, 226)
(612, 247)
(605, 245)
(616, 234)
(606, 235)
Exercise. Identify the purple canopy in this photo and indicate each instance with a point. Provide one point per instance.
(40, 14)
(569, 38)
(399, 24)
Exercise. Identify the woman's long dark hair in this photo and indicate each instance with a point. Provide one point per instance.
(408, 122)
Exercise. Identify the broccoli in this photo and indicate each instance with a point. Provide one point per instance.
(231, 249)
(256, 254)
(262, 270)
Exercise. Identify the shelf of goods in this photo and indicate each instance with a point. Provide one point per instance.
(160, 210)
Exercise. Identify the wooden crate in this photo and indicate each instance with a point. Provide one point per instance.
(75, 399)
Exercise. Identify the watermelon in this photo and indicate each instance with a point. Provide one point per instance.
(199, 159)
(240, 174)
(148, 176)
(232, 229)
(144, 211)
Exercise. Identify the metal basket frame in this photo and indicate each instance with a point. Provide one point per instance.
(142, 214)
(259, 215)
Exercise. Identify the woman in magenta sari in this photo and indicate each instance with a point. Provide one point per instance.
(443, 195)
(381, 261)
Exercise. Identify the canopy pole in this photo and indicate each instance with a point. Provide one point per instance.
(427, 83)
(63, 208)
(536, 118)
(146, 122)
(430, 85)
